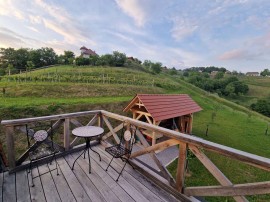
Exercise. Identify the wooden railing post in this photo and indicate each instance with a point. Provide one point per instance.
(67, 134)
(10, 146)
(100, 120)
(181, 165)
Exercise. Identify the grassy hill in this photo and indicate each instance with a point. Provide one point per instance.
(67, 89)
(259, 88)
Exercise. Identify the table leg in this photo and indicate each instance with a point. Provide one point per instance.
(95, 152)
(78, 158)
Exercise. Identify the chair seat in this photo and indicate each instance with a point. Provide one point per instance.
(42, 152)
(117, 150)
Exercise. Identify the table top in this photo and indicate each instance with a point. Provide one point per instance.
(87, 131)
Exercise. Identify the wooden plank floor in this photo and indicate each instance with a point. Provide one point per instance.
(79, 185)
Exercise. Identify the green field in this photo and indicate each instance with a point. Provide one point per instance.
(86, 88)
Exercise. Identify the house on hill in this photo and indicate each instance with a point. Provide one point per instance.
(168, 111)
(86, 53)
(252, 74)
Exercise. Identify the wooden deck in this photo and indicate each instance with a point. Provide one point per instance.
(79, 185)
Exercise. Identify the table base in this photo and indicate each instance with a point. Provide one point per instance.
(87, 147)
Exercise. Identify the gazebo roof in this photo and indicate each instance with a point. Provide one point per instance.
(162, 106)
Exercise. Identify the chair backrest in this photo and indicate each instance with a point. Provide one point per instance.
(39, 132)
(127, 138)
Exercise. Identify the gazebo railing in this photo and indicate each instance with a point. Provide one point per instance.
(194, 144)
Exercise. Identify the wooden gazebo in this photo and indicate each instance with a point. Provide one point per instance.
(169, 111)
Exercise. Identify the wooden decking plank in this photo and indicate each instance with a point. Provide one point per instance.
(87, 184)
(64, 190)
(102, 187)
(22, 187)
(132, 191)
(77, 189)
(1, 186)
(111, 183)
(138, 185)
(36, 192)
(49, 187)
(9, 187)
(165, 196)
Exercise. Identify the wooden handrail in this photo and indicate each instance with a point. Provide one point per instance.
(15, 122)
(252, 159)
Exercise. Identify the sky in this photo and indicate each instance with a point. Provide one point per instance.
(234, 34)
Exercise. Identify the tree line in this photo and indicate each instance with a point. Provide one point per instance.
(14, 61)
(229, 86)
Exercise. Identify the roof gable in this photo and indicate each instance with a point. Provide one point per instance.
(163, 107)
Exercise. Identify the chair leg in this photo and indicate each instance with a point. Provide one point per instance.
(121, 170)
(31, 170)
(56, 164)
(109, 164)
(130, 164)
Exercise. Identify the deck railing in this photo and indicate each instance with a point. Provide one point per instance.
(194, 144)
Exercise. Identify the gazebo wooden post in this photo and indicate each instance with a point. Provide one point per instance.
(190, 124)
(154, 138)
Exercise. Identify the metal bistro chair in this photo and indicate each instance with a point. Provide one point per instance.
(42, 136)
(123, 149)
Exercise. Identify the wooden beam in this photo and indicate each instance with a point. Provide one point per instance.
(233, 190)
(75, 122)
(67, 134)
(116, 129)
(166, 174)
(10, 146)
(211, 167)
(181, 165)
(141, 112)
(116, 138)
(248, 158)
(148, 119)
(138, 117)
(93, 120)
(160, 146)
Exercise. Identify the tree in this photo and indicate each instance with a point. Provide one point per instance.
(262, 106)
(69, 54)
(265, 72)
(29, 66)
(230, 89)
(10, 69)
(118, 58)
(219, 75)
(147, 64)
(240, 87)
(156, 67)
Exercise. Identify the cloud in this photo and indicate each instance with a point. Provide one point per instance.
(58, 20)
(32, 28)
(235, 55)
(183, 28)
(10, 38)
(9, 8)
(134, 9)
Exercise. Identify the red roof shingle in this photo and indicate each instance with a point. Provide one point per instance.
(163, 107)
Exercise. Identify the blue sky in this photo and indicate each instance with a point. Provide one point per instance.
(234, 34)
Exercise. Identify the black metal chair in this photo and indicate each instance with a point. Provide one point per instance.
(40, 146)
(123, 149)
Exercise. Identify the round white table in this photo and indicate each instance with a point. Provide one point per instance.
(87, 132)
